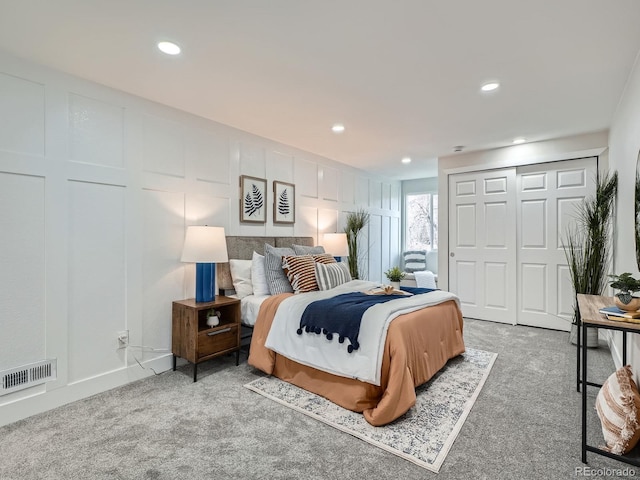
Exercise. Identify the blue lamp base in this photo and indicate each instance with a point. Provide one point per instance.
(205, 282)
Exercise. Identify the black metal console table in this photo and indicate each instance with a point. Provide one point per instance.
(589, 306)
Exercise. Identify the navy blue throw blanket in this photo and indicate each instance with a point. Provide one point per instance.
(342, 314)
(417, 291)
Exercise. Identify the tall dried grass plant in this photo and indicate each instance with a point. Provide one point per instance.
(355, 223)
(587, 245)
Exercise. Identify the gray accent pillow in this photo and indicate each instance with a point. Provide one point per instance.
(331, 275)
(415, 260)
(276, 278)
(306, 250)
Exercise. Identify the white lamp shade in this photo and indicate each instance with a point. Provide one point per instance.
(204, 244)
(336, 244)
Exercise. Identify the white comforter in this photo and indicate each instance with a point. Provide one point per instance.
(316, 351)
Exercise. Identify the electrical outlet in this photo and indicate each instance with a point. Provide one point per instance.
(123, 339)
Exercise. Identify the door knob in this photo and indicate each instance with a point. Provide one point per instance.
(452, 254)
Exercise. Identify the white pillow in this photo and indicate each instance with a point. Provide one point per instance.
(259, 275)
(241, 276)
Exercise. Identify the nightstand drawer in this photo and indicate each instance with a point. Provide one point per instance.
(216, 341)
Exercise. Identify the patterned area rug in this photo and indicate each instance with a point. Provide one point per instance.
(425, 433)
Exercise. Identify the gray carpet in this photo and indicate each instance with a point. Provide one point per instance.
(525, 424)
(425, 433)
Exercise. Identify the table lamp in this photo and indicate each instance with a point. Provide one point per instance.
(336, 245)
(205, 246)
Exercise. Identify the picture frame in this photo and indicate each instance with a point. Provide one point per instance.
(284, 202)
(253, 199)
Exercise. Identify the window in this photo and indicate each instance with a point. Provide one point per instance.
(421, 221)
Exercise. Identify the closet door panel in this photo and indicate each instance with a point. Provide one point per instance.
(483, 244)
(548, 197)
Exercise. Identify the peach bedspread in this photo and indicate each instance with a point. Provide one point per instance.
(418, 344)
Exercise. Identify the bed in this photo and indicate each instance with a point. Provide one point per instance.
(242, 248)
(418, 344)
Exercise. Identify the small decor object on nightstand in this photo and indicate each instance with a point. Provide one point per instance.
(395, 276)
(213, 318)
(627, 285)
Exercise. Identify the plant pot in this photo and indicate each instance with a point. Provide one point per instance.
(396, 285)
(632, 306)
(592, 336)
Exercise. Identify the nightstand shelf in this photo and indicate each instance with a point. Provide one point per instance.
(195, 341)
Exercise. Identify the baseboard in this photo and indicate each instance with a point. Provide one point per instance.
(46, 400)
(616, 355)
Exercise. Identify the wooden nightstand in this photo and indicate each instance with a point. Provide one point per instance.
(195, 341)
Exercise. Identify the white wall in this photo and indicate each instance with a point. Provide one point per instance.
(624, 146)
(96, 190)
(420, 185)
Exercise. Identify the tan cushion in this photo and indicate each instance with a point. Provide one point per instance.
(324, 258)
(300, 270)
(618, 404)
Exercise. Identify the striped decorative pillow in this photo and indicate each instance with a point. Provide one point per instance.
(324, 258)
(330, 275)
(415, 260)
(300, 270)
(618, 404)
(276, 279)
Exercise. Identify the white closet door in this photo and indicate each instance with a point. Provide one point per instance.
(548, 195)
(482, 243)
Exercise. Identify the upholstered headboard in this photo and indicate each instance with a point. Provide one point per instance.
(243, 247)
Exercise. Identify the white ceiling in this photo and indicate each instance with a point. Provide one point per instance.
(402, 75)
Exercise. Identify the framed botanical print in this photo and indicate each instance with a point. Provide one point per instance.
(253, 199)
(284, 202)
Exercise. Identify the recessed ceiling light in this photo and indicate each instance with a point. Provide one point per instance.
(488, 87)
(406, 160)
(338, 128)
(169, 48)
(519, 140)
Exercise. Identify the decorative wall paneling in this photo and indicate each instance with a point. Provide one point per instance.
(97, 277)
(24, 100)
(22, 260)
(96, 190)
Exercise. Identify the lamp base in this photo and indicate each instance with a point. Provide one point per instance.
(205, 282)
